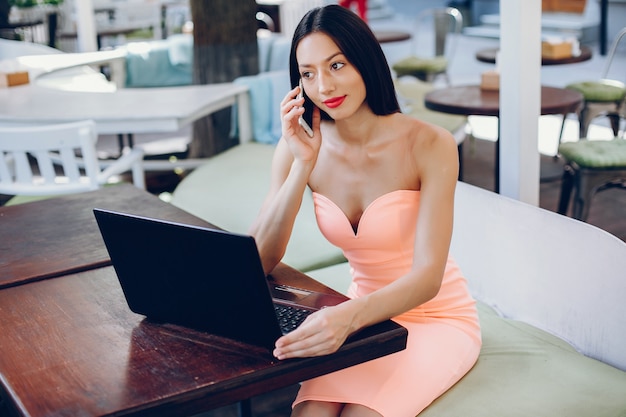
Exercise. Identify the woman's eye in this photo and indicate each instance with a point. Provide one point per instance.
(337, 65)
(305, 75)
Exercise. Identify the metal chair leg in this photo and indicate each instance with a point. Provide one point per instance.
(566, 190)
(583, 122)
(614, 119)
(460, 148)
(245, 408)
(582, 198)
(562, 129)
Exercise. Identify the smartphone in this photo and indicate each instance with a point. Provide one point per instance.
(301, 120)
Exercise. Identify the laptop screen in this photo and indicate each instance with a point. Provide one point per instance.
(207, 279)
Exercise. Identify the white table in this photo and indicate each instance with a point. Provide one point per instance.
(44, 64)
(116, 110)
(128, 111)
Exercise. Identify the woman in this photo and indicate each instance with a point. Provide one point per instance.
(383, 187)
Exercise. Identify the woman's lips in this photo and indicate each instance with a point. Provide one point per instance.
(334, 102)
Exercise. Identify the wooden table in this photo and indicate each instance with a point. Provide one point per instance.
(71, 346)
(62, 235)
(489, 56)
(387, 36)
(471, 100)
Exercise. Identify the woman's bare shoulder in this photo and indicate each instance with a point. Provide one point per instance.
(419, 133)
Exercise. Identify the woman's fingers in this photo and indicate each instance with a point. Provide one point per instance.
(314, 337)
(291, 101)
(291, 109)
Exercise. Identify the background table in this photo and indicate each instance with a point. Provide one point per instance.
(387, 36)
(128, 111)
(41, 65)
(489, 56)
(471, 100)
(131, 110)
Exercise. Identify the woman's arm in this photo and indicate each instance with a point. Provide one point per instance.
(325, 331)
(293, 162)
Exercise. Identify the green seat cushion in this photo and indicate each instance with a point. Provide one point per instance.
(23, 199)
(413, 64)
(413, 93)
(450, 122)
(228, 191)
(601, 154)
(601, 91)
(522, 371)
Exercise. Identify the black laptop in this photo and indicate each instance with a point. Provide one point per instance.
(206, 279)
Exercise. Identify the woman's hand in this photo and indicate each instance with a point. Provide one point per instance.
(302, 146)
(322, 333)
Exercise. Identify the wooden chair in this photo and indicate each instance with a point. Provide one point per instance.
(427, 67)
(59, 159)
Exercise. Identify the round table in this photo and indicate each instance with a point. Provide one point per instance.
(489, 56)
(471, 100)
(386, 36)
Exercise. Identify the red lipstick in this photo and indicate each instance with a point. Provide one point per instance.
(334, 102)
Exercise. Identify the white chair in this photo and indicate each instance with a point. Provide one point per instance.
(59, 159)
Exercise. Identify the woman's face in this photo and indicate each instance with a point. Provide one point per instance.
(330, 81)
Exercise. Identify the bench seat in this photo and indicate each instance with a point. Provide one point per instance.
(522, 371)
(239, 179)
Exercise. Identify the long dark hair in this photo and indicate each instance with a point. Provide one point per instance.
(361, 48)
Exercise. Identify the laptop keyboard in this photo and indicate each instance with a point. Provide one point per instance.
(290, 317)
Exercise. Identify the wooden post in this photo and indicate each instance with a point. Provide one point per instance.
(5, 9)
(225, 47)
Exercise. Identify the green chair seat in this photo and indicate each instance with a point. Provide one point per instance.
(521, 371)
(413, 64)
(596, 154)
(414, 92)
(600, 91)
(603, 97)
(590, 166)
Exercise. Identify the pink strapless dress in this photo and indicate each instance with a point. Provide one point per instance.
(444, 334)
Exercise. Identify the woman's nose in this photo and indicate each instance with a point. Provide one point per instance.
(325, 84)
